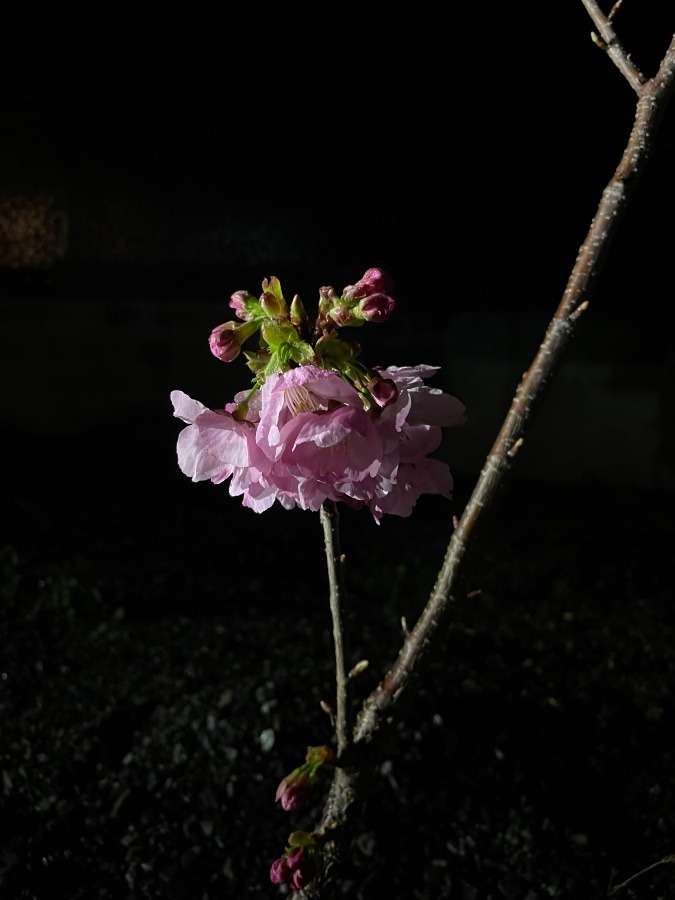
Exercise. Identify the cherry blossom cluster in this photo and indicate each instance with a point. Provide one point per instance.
(318, 424)
(297, 866)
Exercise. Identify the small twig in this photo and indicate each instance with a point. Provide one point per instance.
(330, 521)
(610, 43)
(516, 447)
(614, 10)
(328, 709)
(661, 862)
(581, 308)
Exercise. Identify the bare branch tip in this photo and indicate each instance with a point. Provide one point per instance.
(598, 41)
(328, 709)
(516, 447)
(614, 9)
(581, 308)
(404, 626)
(360, 667)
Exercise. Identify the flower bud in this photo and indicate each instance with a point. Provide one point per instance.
(279, 873)
(297, 866)
(243, 304)
(327, 298)
(272, 305)
(298, 314)
(376, 307)
(374, 281)
(272, 298)
(301, 868)
(224, 341)
(294, 788)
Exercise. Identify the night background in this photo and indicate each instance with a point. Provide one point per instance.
(163, 650)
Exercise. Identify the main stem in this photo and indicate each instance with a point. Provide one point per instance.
(330, 521)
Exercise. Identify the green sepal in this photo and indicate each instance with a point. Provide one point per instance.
(257, 361)
(302, 353)
(333, 352)
(276, 333)
(301, 839)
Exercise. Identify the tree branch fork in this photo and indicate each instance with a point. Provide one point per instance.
(357, 743)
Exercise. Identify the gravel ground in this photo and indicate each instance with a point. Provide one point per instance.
(165, 652)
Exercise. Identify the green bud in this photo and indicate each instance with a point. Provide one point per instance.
(298, 313)
(273, 295)
(272, 306)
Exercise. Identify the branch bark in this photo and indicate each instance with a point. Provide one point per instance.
(379, 708)
(330, 521)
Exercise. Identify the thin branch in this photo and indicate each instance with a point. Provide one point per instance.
(610, 43)
(344, 798)
(338, 608)
(661, 862)
(528, 393)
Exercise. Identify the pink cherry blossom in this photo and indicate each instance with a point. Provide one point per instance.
(306, 437)
(215, 446)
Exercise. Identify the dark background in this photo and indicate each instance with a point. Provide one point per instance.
(148, 168)
(439, 152)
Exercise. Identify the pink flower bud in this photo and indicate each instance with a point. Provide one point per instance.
(279, 873)
(297, 866)
(224, 341)
(377, 307)
(295, 857)
(300, 867)
(301, 878)
(240, 302)
(374, 281)
(293, 790)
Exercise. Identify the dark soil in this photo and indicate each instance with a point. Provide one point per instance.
(165, 652)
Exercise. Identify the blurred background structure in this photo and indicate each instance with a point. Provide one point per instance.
(143, 181)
